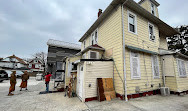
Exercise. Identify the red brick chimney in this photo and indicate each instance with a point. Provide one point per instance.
(99, 13)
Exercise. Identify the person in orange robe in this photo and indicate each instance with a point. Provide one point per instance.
(24, 78)
(12, 83)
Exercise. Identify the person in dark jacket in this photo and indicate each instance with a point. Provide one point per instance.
(12, 83)
(47, 80)
(24, 78)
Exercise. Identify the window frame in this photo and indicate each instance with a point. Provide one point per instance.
(93, 37)
(150, 24)
(155, 77)
(139, 72)
(36, 65)
(84, 43)
(185, 75)
(97, 55)
(135, 21)
(152, 9)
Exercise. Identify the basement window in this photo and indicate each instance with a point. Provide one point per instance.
(132, 22)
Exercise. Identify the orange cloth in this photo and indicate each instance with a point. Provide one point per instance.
(12, 87)
(23, 84)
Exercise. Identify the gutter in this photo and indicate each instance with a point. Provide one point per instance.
(124, 65)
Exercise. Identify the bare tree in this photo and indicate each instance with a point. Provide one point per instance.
(42, 56)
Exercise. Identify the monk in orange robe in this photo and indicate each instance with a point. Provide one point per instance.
(12, 83)
(24, 78)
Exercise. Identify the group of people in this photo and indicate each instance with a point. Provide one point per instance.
(13, 82)
(23, 84)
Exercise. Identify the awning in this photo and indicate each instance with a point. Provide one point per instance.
(141, 50)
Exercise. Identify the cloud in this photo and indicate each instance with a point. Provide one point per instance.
(26, 25)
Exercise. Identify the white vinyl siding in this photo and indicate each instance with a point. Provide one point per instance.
(135, 65)
(155, 66)
(132, 22)
(181, 68)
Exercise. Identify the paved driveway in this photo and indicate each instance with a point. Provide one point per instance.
(151, 103)
(31, 101)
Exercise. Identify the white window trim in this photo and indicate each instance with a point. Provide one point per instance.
(135, 77)
(178, 68)
(36, 65)
(97, 54)
(155, 77)
(84, 44)
(154, 9)
(153, 31)
(94, 35)
(129, 12)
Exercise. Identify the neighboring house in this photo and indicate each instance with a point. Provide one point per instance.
(13, 62)
(36, 65)
(57, 51)
(132, 35)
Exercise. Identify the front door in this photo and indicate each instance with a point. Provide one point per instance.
(80, 82)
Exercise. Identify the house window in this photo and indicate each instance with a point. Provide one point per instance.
(132, 22)
(36, 66)
(84, 44)
(135, 65)
(93, 55)
(94, 37)
(152, 8)
(30, 65)
(155, 66)
(181, 68)
(151, 32)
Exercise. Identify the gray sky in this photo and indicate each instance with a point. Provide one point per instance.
(26, 25)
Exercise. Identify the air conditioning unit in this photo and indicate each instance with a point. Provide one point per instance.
(165, 91)
(152, 37)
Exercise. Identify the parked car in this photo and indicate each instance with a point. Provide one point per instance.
(3, 75)
(19, 74)
(39, 77)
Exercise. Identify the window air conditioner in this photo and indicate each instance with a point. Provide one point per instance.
(165, 91)
(152, 37)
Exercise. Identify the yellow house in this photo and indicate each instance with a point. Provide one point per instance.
(175, 69)
(130, 34)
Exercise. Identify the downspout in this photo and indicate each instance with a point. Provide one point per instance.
(163, 67)
(124, 67)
